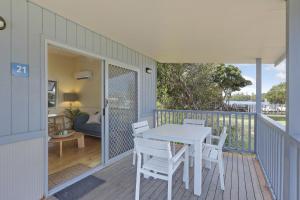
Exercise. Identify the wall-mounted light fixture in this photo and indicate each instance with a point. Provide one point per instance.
(2, 23)
(148, 70)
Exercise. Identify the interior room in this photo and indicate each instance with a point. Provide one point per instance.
(74, 114)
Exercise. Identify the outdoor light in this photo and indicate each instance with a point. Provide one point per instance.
(2, 23)
(148, 70)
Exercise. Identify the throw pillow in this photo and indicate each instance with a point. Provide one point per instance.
(94, 119)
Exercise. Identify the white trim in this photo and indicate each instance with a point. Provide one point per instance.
(46, 41)
(280, 59)
(106, 122)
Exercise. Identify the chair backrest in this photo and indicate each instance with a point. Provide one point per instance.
(194, 122)
(222, 138)
(155, 148)
(140, 127)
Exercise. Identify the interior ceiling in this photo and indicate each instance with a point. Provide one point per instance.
(230, 31)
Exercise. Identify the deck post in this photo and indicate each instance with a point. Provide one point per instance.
(258, 97)
(258, 85)
(290, 176)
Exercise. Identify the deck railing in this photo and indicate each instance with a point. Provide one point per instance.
(240, 125)
(277, 151)
(270, 152)
(279, 156)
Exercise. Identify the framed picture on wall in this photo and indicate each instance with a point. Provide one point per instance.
(52, 93)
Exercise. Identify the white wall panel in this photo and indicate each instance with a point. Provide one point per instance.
(5, 77)
(21, 173)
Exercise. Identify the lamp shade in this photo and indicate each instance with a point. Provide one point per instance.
(71, 97)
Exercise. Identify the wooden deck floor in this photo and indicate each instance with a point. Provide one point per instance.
(243, 180)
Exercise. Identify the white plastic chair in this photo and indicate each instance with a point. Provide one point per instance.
(214, 153)
(159, 162)
(195, 122)
(138, 128)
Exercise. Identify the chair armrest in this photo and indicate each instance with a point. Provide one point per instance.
(180, 153)
(212, 146)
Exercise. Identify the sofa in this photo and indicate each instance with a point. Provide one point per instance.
(92, 129)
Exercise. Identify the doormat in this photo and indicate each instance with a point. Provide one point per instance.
(79, 189)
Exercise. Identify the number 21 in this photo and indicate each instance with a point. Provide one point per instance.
(21, 69)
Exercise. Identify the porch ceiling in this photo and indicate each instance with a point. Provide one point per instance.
(231, 31)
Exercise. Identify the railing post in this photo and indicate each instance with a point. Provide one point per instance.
(258, 98)
(154, 118)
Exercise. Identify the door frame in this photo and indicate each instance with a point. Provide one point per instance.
(102, 61)
(125, 66)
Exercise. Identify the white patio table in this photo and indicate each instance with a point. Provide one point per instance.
(187, 134)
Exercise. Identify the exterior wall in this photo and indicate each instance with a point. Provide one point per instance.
(22, 116)
(21, 170)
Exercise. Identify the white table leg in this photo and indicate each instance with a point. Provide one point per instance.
(208, 163)
(198, 168)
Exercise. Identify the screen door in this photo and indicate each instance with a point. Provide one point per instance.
(122, 109)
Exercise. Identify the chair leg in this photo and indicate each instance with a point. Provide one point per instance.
(134, 157)
(191, 161)
(221, 169)
(137, 186)
(173, 148)
(170, 187)
(186, 170)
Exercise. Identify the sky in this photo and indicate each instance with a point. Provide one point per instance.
(271, 75)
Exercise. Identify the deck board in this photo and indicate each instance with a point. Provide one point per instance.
(243, 180)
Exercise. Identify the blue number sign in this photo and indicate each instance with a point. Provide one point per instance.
(20, 70)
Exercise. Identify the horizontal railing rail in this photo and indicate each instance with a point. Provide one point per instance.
(270, 152)
(241, 126)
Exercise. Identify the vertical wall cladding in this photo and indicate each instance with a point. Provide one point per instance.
(35, 28)
(19, 47)
(5, 77)
(22, 99)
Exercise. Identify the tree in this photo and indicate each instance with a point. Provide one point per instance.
(230, 79)
(187, 86)
(276, 95)
(241, 97)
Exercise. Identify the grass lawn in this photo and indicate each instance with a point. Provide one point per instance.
(279, 118)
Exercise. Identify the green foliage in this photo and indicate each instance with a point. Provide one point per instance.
(242, 97)
(197, 86)
(230, 79)
(71, 114)
(187, 86)
(277, 94)
(246, 97)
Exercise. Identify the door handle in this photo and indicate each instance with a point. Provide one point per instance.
(105, 105)
(105, 102)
